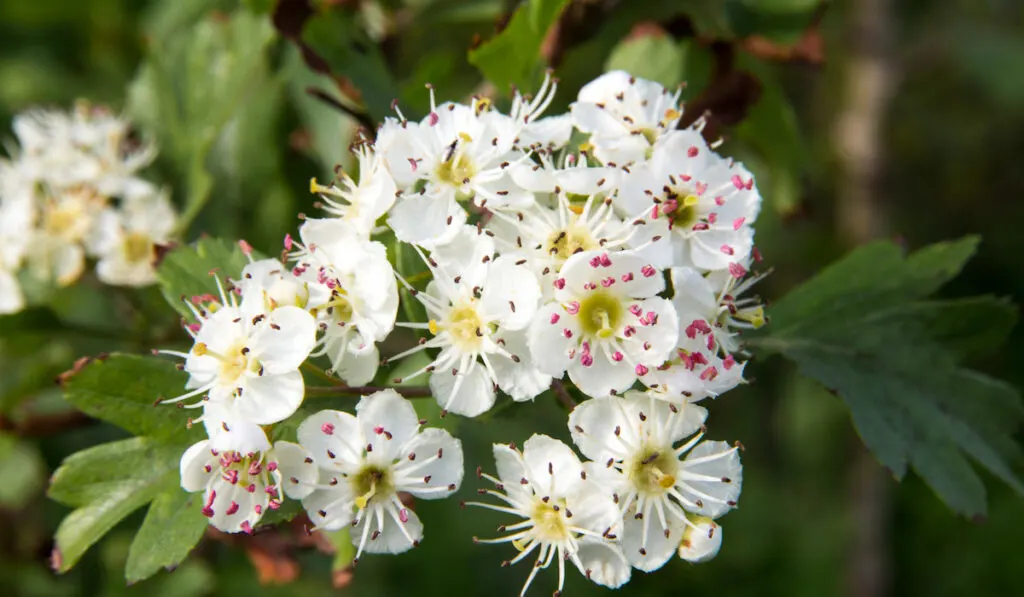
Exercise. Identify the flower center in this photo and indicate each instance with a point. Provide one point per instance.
(137, 247)
(652, 471)
(566, 243)
(464, 326)
(65, 221)
(371, 480)
(549, 521)
(680, 206)
(600, 314)
(233, 362)
(456, 170)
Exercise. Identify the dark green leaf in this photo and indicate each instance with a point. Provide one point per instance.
(189, 270)
(173, 526)
(107, 483)
(864, 329)
(513, 56)
(122, 389)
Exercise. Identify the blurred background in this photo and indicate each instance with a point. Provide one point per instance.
(862, 118)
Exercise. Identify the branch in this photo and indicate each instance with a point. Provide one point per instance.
(408, 392)
(562, 394)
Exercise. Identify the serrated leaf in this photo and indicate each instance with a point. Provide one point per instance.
(122, 389)
(864, 329)
(513, 56)
(173, 526)
(106, 483)
(655, 57)
(187, 271)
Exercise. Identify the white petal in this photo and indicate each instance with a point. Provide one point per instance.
(551, 466)
(510, 293)
(391, 539)
(725, 467)
(298, 472)
(388, 421)
(194, 476)
(334, 438)
(603, 376)
(598, 418)
(510, 465)
(421, 218)
(11, 298)
(330, 509)
(355, 368)
(603, 563)
(474, 396)
(284, 340)
(445, 471)
(268, 399)
(701, 544)
(657, 549)
(548, 341)
(522, 380)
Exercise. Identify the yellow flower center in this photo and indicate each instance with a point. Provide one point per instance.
(463, 325)
(370, 481)
(457, 170)
(137, 247)
(600, 314)
(653, 471)
(566, 243)
(549, 520)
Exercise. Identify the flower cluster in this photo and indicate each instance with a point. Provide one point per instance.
(70, 191)
(616, 263)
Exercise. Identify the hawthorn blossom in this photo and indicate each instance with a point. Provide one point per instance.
(361, 203)
(474, 316)
(125, 240)
(625, 116)
(365, 460)
(656, 485)
(701, 204)
(353, 294)
(250, 365)
(565, 517)
(701, 541)
(240, 487)
(710, 304)
(605, 326)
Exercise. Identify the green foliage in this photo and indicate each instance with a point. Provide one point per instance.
(512, 58)
(866, 330)
(123, 389)
(655, 57)
(189, 271)
(108, 482)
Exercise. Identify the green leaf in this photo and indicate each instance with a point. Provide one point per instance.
(513, 56)
(22, 470)
(345, 551)
(107, 483)
(783, 21)
(173, 526)
(655, 57)
(122, 389)
(187, 271)
(865, 330)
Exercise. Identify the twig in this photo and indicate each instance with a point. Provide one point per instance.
(319, 373)
(562, 394)
(408, 392)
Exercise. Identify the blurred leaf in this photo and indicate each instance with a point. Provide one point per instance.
(344, 552)
(22, 470)
(191, 87)
(106, 483)
(656, 57)
(122, 389)
(783, 21)
(771, 128)
(864, 329)
(192, 270)
(349, 52)
(329, 130)
(173, 526)
(512, 58)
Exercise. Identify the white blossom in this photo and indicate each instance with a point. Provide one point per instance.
(565, 517)
(366, 460)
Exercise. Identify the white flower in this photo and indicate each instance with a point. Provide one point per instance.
(699, 202)
(16, 219)
(701, 541)
(240, 487)
(366, 460)
(267, 284)
(66, 218)
(353, 295)
(360, 204)
(473, 315)
(711, 305)
(632, 443)
(548, 133)
(697, 370)
(624, 115)
(125, 240)
(457, 152)
(605, 325)
(249, 365)
(565, 516)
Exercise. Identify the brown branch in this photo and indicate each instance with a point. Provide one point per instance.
(558, 388)
(408, 392)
